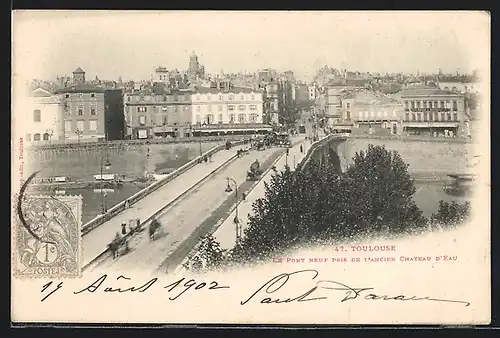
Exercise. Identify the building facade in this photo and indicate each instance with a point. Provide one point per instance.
(45, 117)
(432, 111)
(192, 112)
(371, 113)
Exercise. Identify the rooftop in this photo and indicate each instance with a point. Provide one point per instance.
(78, 71)
(81, 88)
(235, 90)
(425, 91)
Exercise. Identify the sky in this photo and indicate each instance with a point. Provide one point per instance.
(131, 44)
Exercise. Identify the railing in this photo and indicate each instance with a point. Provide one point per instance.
(100, 219)
(316, 145)
(411, 138)
(93, 144)
(160, 211)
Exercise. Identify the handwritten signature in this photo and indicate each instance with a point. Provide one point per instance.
(275, 287)
(276, 283)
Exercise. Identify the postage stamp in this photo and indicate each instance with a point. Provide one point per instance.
(47, 240)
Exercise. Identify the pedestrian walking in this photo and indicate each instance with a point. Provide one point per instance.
(301, 148)
(124, 228)
(244, 196)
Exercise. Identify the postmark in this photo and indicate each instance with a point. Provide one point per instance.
(47, 236)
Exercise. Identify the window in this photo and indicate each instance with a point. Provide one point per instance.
(252, 97)
(348, 105)
(67, 125)
(241, 107)
(92, 111)
(92, 95)
(165, 120)
(164, 99)
(455, 116)
(242, 97)
(407, 116)
(241, 118)
(80, 95)
(348, 116)
(220, 118)
(442, 105)
(253, 107)
(198, 108)
(231, 118)
(220, 108)
(253, 118)
(413, 116)
(220, 97)
(442, 116)
(80, 111)
(67, 96)
(209, 108)
(449, 116)
(159, 120)
(37, 115)
(231, 97)
(141, 109)
(80, 125)
(28, 137)
(164, 108)
(93, 125)
(209, 97)
(197, 97)
(209, 118)
(36, 137)
(198, 119)
(142, 120)
(230, 107)
(419, 117)
(175, 98)
(455, 105)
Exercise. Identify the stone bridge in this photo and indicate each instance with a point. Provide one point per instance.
(425, 156)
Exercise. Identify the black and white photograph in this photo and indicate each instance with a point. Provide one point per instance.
(255, 166)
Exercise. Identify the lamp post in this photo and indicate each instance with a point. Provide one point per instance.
(192, 134)
(236, 219)
(78, 133)
(107, 165)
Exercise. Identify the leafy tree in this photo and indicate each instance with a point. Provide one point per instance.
(380, 193)
(209, 256)
(451, 214)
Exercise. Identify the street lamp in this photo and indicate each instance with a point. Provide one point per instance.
(78, 133)
(236, 219)
(107, 165)
(192, 134)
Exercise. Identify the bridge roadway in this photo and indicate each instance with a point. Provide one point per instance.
(184, 217)
(97, 240)
(226, 234)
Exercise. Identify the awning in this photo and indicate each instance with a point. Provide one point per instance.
(431, 124)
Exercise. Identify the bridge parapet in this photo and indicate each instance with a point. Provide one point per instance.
(322, 149)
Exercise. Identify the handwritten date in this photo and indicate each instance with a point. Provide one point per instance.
(177, 288)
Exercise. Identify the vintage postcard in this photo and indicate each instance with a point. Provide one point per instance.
(251, 167)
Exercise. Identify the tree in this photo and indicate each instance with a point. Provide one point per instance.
(450, 215)
(380, 193)
(209, 256)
